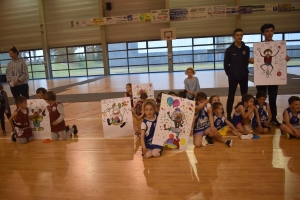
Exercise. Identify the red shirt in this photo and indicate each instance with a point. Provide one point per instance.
(22, 126)
(54, 115)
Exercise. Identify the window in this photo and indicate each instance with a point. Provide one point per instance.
(138, 57)
(77, 61)
(293, 48)
(34, 60)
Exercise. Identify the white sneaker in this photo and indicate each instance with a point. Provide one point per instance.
(248, 128)
(247, 137)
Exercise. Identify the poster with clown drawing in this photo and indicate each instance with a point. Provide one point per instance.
(41, 124)
(138, 89)
(174, 122)
(117, 117)
(269, 63)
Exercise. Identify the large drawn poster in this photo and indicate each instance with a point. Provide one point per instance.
(174, 122)
(41, 124)
(117, 117)
(269, 63)
(138, 89)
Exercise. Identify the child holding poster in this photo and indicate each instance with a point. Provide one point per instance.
(128, 93)
(291, 118)
(147, 130)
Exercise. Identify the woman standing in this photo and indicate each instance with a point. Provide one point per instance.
(17, 74)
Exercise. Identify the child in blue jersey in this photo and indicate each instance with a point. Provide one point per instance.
(291, 118)
(264, 113)
(219, 121)
(147, 130)
(202, 126)
(243, 114)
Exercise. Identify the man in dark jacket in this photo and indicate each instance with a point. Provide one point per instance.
(236, 62)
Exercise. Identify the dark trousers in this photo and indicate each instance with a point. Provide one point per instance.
(20, 90)
(231, 92)
(272, 93)
(8, 115)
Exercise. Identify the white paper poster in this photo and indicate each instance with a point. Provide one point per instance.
(41, 128)
(158, 16)
(219, 11)
(271, 7)
(109, 20)
(269, 63)
(232, 10)
(117, 117)
(138, 89)
(197, 13)
(174, 122)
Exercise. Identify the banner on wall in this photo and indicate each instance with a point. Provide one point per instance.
(258, 8)
(232, 10)
(219, 11)
(180, 14)
(245, 10)
(271, 7)
(109, 20)
(98, 21)
(145, 17)
(197, 13)
(295, 6)
(81, 23)
(159, 16)
(284, 7)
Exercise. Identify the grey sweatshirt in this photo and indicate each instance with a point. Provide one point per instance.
(17, 70)
(192, 84)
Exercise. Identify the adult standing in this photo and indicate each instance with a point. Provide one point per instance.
(17, 74)
(236, 60)
(267, 30)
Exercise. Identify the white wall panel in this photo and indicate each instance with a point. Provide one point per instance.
(59, 14)
(19, 25)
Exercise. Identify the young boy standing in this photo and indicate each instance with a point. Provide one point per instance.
(236, 61)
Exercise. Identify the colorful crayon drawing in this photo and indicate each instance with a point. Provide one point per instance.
(269, 63)
(117, 117)
(41, 124)
(174, 122)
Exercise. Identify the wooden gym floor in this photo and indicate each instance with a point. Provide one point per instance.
(91, 167)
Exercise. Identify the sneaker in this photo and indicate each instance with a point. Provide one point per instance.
(248, 128)
(13, 136)
(75, 129)
(275, 122)
(4, 133)
(289, 136)
(247, 136)
(255, 136)
(209, 140)
(67, 130)
(229, 143)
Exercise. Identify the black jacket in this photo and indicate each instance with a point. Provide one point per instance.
(236, 62)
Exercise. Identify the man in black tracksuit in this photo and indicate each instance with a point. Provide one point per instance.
(236, 62)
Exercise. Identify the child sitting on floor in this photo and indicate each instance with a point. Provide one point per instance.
(40, 92)
(57, 115)
(291, 118)
(264, 113)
